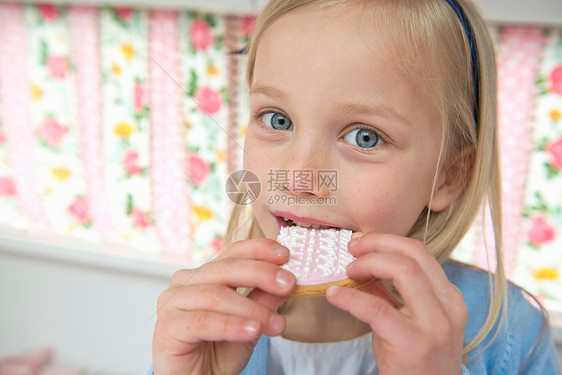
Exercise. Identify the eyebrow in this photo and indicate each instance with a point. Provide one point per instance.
(380, 110)
(267, 91)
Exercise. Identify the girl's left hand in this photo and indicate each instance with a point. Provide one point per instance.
(425, 334)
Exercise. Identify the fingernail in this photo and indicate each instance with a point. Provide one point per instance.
(353, 242)
(355, 237)
(276, 323)
(357, 234)
(251, 326)
(283, 279)
(280, 250)
(332, 290)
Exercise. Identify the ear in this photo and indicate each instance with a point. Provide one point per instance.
(453, 179)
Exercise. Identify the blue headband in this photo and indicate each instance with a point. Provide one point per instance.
(473, 51)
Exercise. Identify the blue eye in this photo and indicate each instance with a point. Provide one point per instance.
(277, 121)
(364, 138)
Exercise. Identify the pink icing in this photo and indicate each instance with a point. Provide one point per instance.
(318, 256)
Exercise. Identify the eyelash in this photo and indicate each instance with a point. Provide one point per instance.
(380, 139)
(259, 117)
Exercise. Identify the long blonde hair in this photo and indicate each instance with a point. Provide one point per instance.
(430, 44)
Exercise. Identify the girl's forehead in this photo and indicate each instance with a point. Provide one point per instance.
(384, 30)
(335, 44)
(353, 27)
(321, 58)
(324, 33)
(350, 20)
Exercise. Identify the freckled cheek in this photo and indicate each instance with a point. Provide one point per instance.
(370, 207)
(379, 205)
(265, 160)
(255, 156)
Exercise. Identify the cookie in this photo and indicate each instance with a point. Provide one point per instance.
(318, 259)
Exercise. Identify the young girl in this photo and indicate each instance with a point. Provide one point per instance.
(397, 97)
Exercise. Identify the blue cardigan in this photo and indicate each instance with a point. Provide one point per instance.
(512, 351)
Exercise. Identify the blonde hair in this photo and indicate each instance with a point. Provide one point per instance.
(430, 44)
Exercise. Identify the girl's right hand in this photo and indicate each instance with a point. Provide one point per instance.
(205, 327)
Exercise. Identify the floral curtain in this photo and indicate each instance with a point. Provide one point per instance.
(118, 125)
(121, 125)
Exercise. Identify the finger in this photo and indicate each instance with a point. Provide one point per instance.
(385, 243)
(236, 273)
(270, 301)
(407, 276)
(192, 327)
(385, 321)
(224, 300)
(378, 288)
(276, 322)
(264, 249)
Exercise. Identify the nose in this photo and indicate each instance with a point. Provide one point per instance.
(305, 172)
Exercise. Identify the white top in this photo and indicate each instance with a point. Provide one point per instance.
(335, 358)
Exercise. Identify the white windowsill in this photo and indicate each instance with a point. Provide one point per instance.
(65, 249)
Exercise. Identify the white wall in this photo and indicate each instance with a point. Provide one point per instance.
(96, 310)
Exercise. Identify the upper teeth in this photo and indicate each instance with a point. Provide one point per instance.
(306, 225)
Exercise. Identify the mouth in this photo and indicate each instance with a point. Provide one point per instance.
(292, 223)
(286, 220)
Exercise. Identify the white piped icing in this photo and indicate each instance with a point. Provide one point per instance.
(318, 256)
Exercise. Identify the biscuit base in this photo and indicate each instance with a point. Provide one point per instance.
(320, 289)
